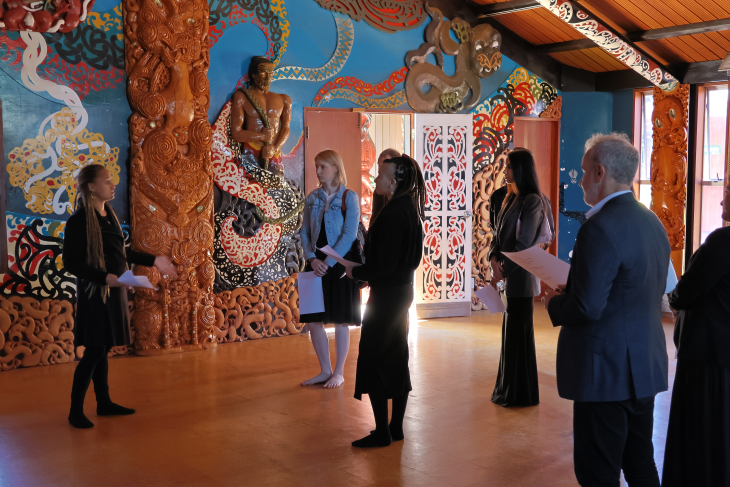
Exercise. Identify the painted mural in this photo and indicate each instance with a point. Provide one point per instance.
(79, 113)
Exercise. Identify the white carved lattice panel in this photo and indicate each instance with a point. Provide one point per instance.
(444, 151)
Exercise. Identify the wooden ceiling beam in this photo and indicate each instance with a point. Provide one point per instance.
(502, 8)
(641, 36)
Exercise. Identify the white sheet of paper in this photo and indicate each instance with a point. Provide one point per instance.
(311, 299)
(129, 279)
(671, 279)
(491, 299)
(327, 250)
(546, 267)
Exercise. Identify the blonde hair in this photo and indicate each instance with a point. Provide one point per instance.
(333, 159)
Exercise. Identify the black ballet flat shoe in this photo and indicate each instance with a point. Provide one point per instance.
(113, 409)
(80, 421)
(373, 441)
(394, 435)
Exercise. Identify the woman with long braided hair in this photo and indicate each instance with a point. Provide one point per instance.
(393, 250)
(93, 251)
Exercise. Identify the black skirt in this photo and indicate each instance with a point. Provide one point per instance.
(341, 294)
(382, 363)
(517, 375)
(698, 436)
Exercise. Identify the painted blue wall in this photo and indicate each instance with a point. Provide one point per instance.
(623, 111)
(584, 114)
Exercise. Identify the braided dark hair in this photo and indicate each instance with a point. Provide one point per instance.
(409, 182)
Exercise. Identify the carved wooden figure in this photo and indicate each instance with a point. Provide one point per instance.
(477, 55)
(167, 58)
(669, 165)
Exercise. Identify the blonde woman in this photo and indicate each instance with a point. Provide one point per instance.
(331, 217)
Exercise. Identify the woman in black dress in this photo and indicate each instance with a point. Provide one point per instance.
(524, 221)
(698, 437)
(393, 250)
(331, 217)
(93, 251)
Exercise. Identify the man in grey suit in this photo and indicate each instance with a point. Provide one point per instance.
(612, 356)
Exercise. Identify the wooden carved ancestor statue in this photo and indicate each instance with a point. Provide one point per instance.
(167, 59)
(669, 165)
(259, 118)
(477, 55)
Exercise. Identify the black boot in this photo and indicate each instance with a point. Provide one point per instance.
(381, 435)
(82, 377)
(104, 404)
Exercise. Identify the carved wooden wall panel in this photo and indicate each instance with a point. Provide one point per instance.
(34, 332)
(267, 310)
(670, 121)
(167, 59)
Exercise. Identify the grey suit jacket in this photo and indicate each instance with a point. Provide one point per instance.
(611, 345)
(530, 210)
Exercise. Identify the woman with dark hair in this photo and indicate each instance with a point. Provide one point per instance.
(393, 249)
(524, 221)
(93, 251)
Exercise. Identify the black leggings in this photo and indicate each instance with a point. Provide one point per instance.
(379, 403)
(94, 365)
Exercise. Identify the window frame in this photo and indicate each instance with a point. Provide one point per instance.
(694, 205)
(636, 135)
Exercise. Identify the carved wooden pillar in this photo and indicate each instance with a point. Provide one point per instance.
(171, 188)
(669, 165)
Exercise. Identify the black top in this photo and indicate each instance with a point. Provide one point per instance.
(702, 297)
(99, 323)
(393, 246)
(530, 210)
(378, 202)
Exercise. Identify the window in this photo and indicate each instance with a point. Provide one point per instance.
(714, 146)
(645, 145)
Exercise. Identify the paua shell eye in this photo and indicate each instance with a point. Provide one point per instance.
(672, 113)
(658, 123)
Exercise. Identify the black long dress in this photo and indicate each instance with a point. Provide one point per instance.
(697, 452)
(341, 294)
(393, 250)
(99, 324)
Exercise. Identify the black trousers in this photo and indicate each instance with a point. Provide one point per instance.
(611, 436)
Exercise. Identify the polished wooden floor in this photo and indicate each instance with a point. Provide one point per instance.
(236, 416)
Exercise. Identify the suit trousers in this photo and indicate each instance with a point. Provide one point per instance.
(611, 436)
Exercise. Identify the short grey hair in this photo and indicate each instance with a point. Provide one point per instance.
(616, 153)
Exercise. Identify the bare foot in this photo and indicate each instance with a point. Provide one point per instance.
(334, 382)
(317, 379)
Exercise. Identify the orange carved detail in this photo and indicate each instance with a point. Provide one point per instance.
(167, 59)
(670, 121)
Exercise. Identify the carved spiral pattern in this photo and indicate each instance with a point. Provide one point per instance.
(201, 135)
(153, 237)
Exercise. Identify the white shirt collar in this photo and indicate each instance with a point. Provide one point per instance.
(605, 200)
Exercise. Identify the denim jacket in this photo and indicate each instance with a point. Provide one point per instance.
(341, 232)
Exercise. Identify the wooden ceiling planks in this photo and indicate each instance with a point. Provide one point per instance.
(539, 26)
(596, 60)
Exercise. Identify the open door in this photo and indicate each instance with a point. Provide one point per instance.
(444, 152)
(336, 129)
(542, 137)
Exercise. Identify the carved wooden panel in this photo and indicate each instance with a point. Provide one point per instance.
(670, 121)
(167, 59)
